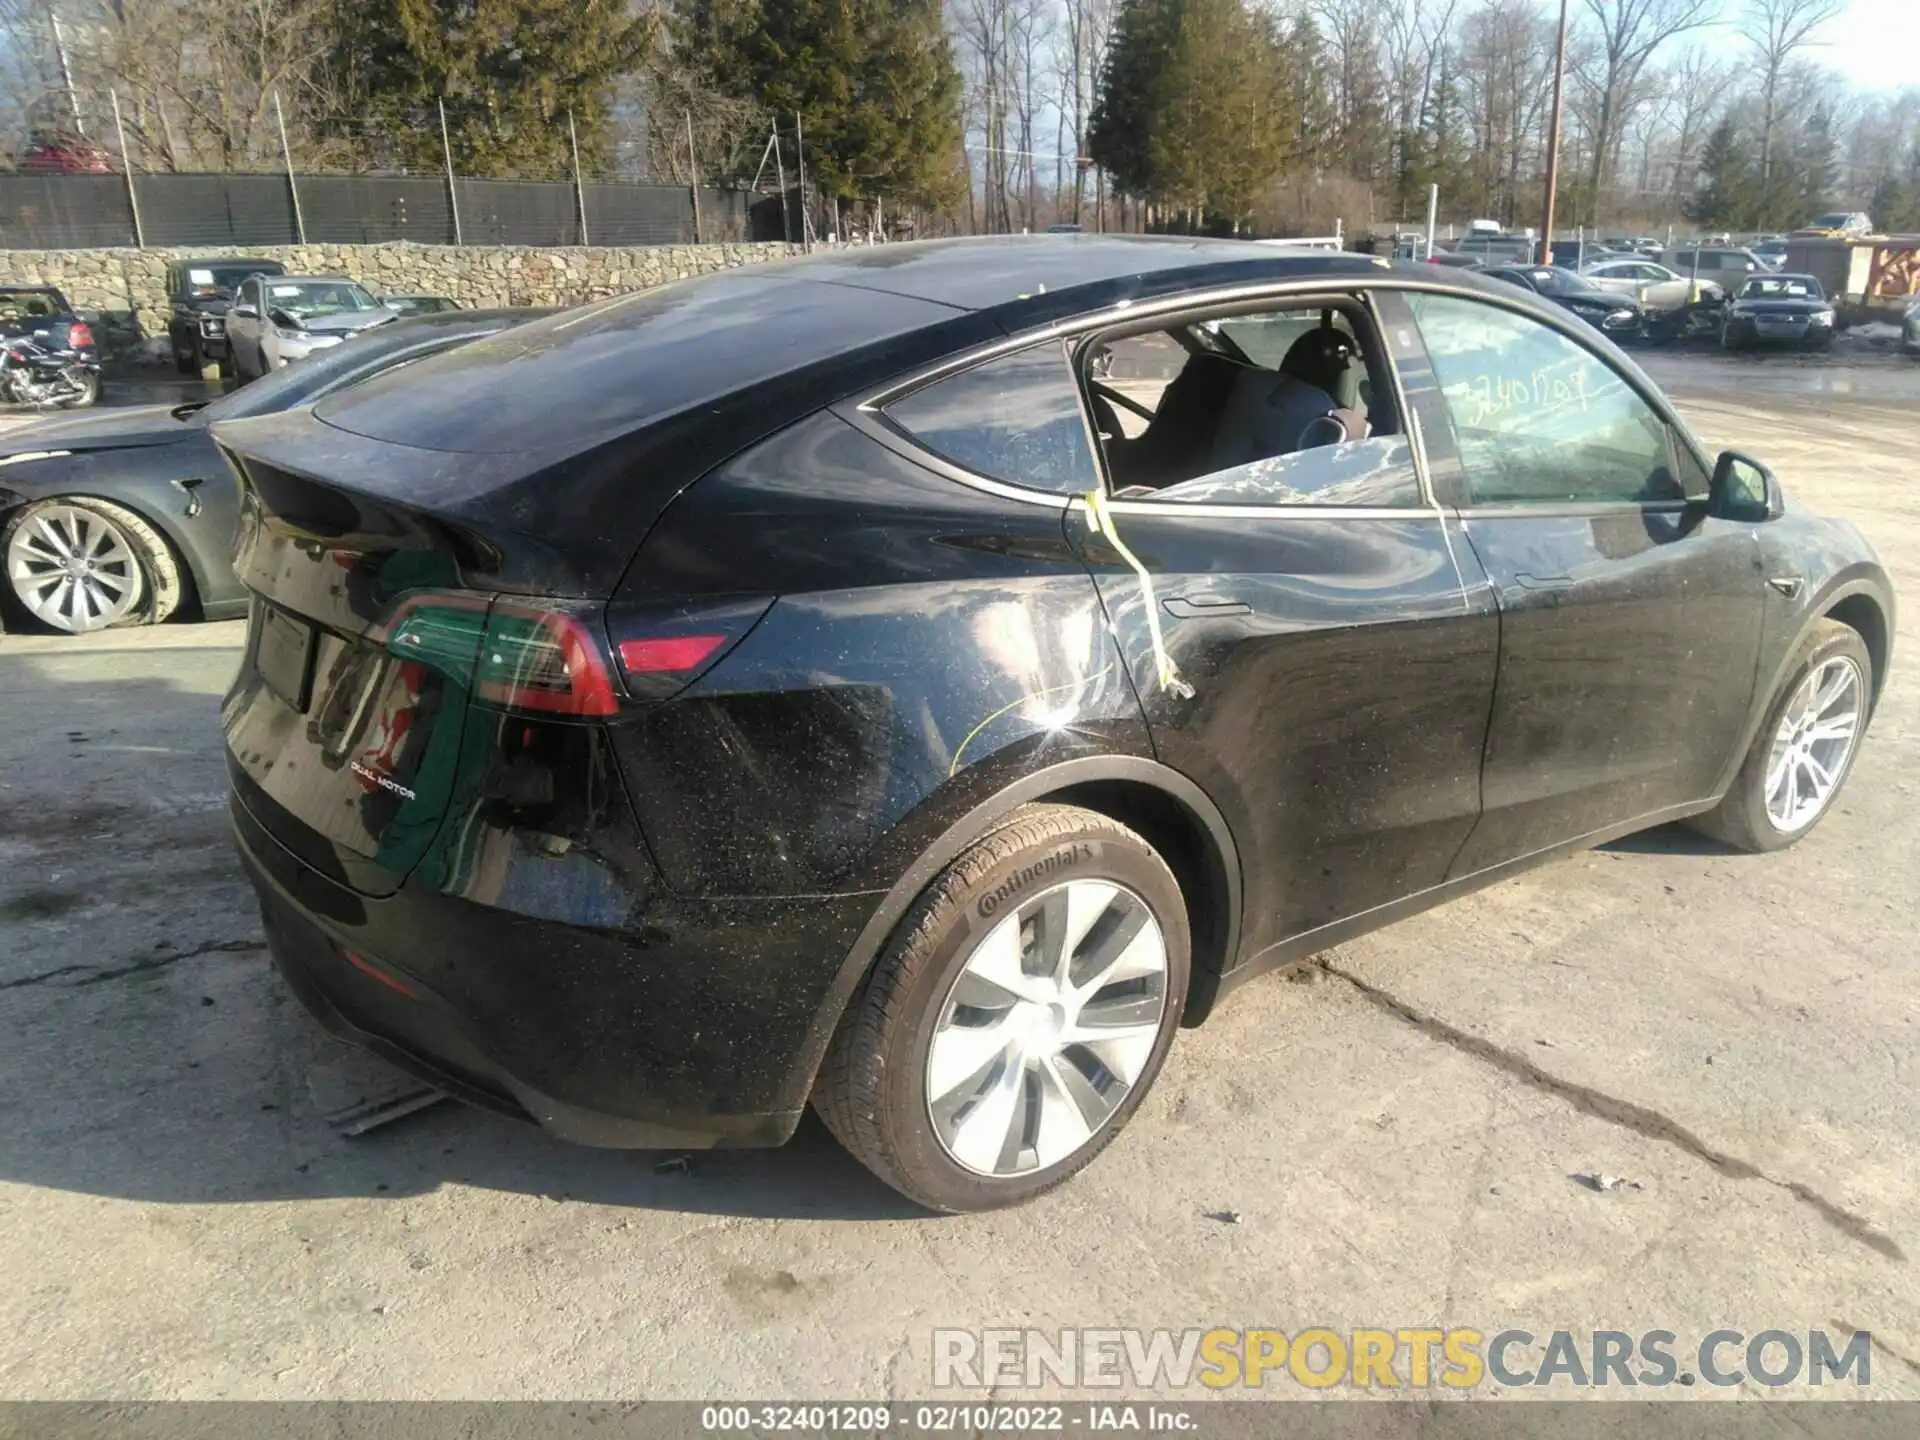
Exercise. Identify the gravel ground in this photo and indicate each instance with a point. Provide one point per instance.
(1391, 1139)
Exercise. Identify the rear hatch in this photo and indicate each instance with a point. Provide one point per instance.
(411, 661)
(344, 722)
(442, 540)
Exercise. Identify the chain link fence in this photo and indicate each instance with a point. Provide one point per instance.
(64, 212)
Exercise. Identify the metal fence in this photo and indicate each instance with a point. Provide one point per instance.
(63, 212)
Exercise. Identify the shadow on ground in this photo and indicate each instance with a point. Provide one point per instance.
(1673, 839)
(147, 1049)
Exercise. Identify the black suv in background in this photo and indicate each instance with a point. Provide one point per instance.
(198, 294)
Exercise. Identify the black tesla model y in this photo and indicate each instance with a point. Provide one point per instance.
(918, 680)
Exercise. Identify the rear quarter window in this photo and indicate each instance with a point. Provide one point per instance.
(1015, 418)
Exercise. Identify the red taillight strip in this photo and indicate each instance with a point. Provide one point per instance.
(666, 654)
(368, 968)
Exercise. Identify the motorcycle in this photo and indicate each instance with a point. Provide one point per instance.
(31, 374)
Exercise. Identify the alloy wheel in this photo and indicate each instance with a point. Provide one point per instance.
(1813, 743)
(73, 569)
(1046, 1029)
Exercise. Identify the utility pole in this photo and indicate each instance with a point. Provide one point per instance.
(66, 72)
(806, 218)
(579, 190)
(780, 174)
(693, 177)
(453, 191)
(126, 164)
(293, 189)
(1553, 139)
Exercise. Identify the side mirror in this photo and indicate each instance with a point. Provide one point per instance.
(1744, 489)
(243, 312)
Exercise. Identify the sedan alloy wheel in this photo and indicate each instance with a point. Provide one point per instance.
(73, 569)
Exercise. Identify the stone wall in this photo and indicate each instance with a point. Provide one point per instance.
(127, 288)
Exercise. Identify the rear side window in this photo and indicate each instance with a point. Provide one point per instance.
(1015, 418)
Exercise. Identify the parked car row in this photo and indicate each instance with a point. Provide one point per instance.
(281, 317)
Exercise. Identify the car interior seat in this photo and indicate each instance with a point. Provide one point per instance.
(1176, 443)
(1312, 399)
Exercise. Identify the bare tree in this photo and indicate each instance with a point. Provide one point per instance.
(1779, 29)
(1414, 33)
(1627, 33)
(1084, 28)
(1698, 82)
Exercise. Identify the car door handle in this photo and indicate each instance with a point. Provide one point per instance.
(1544, 582)
(1200, 607)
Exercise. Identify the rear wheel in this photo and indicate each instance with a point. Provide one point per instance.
(79, 564)
(1018, 1017)
(89, 391)
(1802, 754)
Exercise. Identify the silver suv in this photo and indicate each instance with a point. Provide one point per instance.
(1726, 266)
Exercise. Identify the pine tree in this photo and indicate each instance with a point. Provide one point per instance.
(1127, 107)
(1728, 193)
(1197, 106)
(509, 73)
(1812, 174)
(873, 81)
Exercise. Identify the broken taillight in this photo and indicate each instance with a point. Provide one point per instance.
(511, 653)
(541, 659)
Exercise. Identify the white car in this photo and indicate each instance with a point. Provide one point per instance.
(1658, 289)
(278, 319)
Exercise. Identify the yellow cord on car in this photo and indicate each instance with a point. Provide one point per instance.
(1100, 520)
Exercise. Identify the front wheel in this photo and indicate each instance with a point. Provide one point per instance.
(79, 564)
(1802, 754)
(1018, 1017)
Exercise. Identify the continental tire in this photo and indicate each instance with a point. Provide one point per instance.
(1018, 1016)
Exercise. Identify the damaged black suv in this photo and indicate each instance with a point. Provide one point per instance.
(915, 681)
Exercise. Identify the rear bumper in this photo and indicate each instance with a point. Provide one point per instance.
(648, 1039)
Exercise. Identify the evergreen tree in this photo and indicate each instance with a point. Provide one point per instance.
(1812, 174)
(1727, 196)
(508, 72)
(1896, 203)
(873, 81)
(1197, 106)
(1127, 106)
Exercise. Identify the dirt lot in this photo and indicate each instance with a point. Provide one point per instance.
(1390, 1141)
